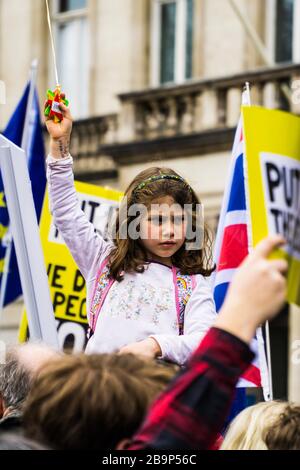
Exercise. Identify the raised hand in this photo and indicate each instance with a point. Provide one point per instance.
(60, 132)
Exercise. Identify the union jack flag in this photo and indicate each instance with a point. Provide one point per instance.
(233, 243)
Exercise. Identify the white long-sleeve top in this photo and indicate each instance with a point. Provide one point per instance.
(142, 304)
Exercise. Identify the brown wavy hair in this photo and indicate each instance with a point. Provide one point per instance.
(90, 401)
(284, 434)
(130, 255)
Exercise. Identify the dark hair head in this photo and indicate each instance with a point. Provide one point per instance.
(92, 401)
(15, 382)
(284, 434)
(128, 255)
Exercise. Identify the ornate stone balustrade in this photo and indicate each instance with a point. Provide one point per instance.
(194, 118)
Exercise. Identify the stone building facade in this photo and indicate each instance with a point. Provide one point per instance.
(154, 82)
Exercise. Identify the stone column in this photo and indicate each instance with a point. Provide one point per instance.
(295, 94)
(209, 109)
(198, 38)
(16, 28)
(120, 49)
(234, 100)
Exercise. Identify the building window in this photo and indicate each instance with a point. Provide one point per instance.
(172, 41)
(189, 40)
(71, 26)
(284, 30)
(167, 42)
(68, 5)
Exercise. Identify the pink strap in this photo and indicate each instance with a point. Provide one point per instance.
(194, 283)
(99, 272)
(174, 271)
(105, 292)
(94, 318)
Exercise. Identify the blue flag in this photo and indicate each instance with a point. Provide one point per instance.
(36, 165)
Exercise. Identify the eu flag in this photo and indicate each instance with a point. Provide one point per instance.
(36, 164)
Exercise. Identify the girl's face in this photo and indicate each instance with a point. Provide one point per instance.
(163, 229)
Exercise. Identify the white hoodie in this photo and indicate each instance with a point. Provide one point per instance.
(142, 304)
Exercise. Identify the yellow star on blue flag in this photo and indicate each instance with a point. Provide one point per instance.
(2, 265)
(2, 203)
(3, 230)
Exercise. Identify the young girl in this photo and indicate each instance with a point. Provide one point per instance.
(147, 295)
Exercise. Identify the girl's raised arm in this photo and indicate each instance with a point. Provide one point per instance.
(86, 246)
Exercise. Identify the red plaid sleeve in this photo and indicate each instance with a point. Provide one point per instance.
(192, 411)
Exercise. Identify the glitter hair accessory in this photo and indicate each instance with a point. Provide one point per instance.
(161, 177)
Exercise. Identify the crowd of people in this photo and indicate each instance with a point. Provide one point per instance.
(161, 366)
(52, 400)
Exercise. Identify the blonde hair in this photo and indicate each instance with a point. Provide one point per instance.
(247, 430)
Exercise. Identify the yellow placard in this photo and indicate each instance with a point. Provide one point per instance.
(272, 170)
(67, 286)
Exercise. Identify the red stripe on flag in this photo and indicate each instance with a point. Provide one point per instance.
(253, 375)
(234, 246)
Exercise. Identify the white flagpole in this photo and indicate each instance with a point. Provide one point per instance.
(268, 348)
(267, 382)
(24, 145)
(219, 236)
(33, 78)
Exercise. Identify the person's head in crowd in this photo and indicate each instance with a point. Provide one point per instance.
(34, 355)
(171, 211)
(247, 430)
(93, 401)
(284, 434)
(16, 375)
(15, 441)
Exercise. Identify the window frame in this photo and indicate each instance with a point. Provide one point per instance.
(296, 32)
(180, 42)
(58, 19)
(67, 15)
(271, 30)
